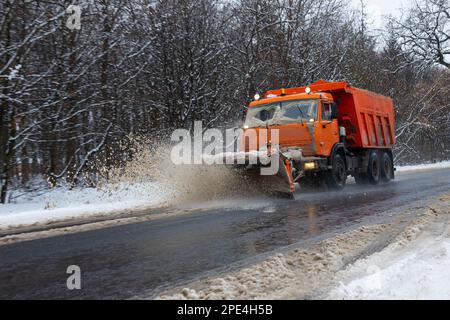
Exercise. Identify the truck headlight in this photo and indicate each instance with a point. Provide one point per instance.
(309, 165)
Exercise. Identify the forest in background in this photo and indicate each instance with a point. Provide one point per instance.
(72, 98)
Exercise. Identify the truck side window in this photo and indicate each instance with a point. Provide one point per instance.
(326, 112)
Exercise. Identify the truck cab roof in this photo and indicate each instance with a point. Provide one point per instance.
(298, 96)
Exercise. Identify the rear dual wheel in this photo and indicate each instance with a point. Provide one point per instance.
(387, 168)
(380, 168)
(374, 168)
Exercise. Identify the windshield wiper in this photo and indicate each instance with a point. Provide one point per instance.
(301, 111)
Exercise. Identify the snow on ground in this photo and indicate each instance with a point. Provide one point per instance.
(404, 270)
(418, 273)
(62, 203)
(425, 166)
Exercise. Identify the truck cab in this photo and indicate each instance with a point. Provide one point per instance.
(306, 121)
(326, 131)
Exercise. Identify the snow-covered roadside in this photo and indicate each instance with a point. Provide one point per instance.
(425, 166)
(404, 270)
(62, 203)
(421, 272)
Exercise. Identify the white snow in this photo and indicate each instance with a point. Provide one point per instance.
(61, 203)
(418, 271)
(14, 72)
(425, 166)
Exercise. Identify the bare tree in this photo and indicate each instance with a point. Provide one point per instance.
(425, 32)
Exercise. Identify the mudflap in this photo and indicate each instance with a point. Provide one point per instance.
(280, 184)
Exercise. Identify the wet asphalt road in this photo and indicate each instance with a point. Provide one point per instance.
(136, 260)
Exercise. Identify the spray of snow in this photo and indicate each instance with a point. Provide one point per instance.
(184, 183)
(149, 179)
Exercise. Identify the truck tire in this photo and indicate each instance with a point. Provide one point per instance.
(386, 168)
(373, 170)
(337, 176)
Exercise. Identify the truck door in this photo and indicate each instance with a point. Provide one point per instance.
(327, 131)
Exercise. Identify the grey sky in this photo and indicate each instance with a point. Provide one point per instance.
(376, 9)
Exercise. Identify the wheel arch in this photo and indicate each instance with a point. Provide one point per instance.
(338, 148)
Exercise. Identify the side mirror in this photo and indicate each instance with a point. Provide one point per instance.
(334, 111)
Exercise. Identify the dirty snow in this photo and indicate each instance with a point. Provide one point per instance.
(63, 203)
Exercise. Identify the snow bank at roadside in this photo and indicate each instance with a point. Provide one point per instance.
(290, 275)
(410, 268)
(421, 273)
(62, 203)
(425, 166)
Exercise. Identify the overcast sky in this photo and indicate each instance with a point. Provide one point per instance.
(376, 9)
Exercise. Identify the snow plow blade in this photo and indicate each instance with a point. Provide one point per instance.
(280, 184)
(266, 176)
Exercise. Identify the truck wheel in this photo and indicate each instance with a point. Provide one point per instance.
(386, 168)
(373, 171)
(337, 176)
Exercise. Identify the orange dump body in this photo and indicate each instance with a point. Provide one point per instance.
(368, 119)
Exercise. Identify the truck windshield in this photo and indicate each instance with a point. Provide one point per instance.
(283, 112)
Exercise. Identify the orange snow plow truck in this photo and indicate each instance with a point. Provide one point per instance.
(326, 132)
